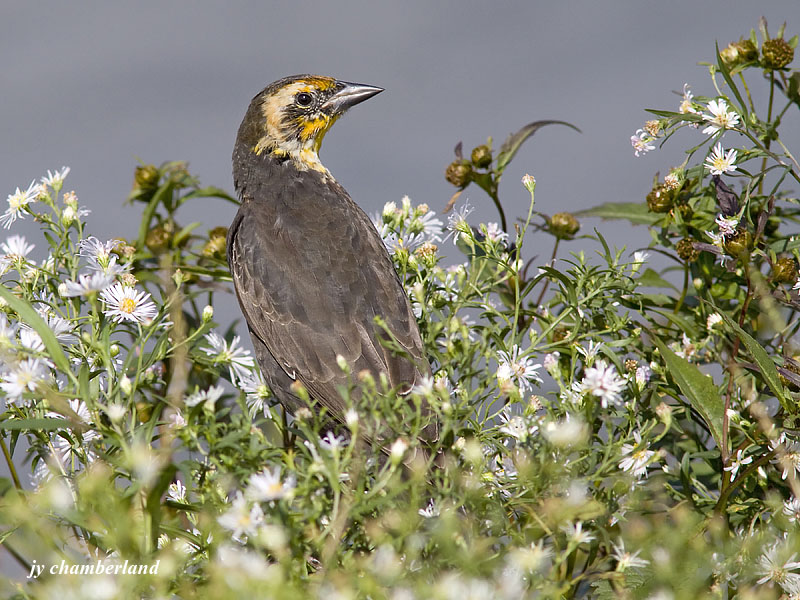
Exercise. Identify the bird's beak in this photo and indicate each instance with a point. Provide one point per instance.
(350, 95)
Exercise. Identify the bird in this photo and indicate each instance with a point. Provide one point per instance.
(310, 270)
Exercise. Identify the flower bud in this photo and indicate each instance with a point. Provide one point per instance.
(739, 244)
(208, 313)
(113, 350)
(481, 156)
(458, 173)
(351, 418)
(660, 199)
(342, 362)
(216, 244)
(68, 215)
(116, 412)
(398, 450)
(686, 250)
(145, 177)
(664, 412)
(529, 182)
(564, 225)
(784, 270)
(125, 385)
(747, 50)
(776, 53)
(157, 239)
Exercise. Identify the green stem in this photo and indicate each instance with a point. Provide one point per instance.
(547, 281)
(10, 463)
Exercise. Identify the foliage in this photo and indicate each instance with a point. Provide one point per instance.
(653, 451)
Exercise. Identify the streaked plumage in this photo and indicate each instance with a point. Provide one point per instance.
(310, 270)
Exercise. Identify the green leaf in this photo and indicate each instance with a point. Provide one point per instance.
(30, 317)
(698, 388)
(635, 212)
(793, 90)
(652, 279)
(34, 424)
(209, 192)
(764, 362)
(729, 80)
(164, 192)
(515, 140)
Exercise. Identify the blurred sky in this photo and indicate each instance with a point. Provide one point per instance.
(96, 85)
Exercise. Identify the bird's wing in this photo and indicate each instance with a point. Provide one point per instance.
(311, 273)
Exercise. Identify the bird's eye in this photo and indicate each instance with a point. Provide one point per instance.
(303, 99)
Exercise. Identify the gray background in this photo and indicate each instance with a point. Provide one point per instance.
(96, 85)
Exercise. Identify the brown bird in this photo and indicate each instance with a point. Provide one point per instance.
(310, 270)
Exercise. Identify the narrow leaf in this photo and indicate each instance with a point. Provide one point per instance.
(35, 424)
(698, 388)
(635, 212)
(729, 80)
(515, 140)
(30, 317)
(764, 362)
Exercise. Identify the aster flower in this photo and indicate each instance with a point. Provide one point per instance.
(88, 283)
(495, 234)
(641, 142)
(576, 535)
(737, 463)
(331, 442)
(241, 519)
(430, 511)
(642, 375)
(516, 427)
(639, 258)
(430, 227)
(177, 491)
(457, 223)
(99, 256)
(239, 361)
(207, 397)
(63, 445)
(727, 225)
(16, 248)
(791, 508)
(565, 432)
(17, 202)
(30, 340)
(267, 485)
(23, 377)
(519, 370)
(772, 569)
(62, 328)
(686, 106)
(55, 180)
(604, 382)
(550, 362)
(720, 117)
(256, 392)
(788, 458)
(626, 560)
(635, 461)
(124, 303)
(591, 351)
(424, 387)
(719, 162)
(713, 320)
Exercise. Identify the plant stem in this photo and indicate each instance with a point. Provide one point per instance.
(10, 463)
(547, 281)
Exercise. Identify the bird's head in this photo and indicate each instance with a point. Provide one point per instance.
(289, 118)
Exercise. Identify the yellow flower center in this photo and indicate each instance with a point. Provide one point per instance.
(128, 305)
